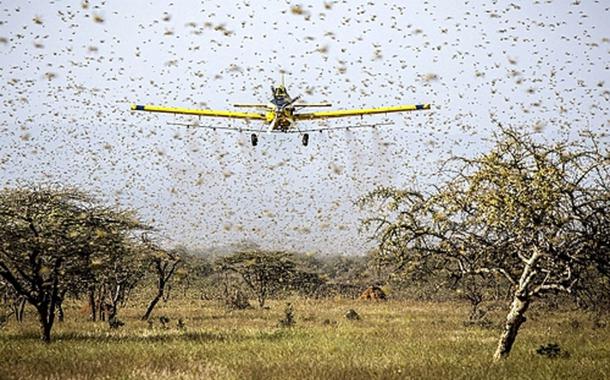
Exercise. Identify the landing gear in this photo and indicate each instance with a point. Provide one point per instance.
(254, 139)
(305, 139)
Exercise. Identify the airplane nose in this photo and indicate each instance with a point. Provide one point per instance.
(269, 117)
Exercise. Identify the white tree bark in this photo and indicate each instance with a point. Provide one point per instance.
(521, 302)
(514, 320)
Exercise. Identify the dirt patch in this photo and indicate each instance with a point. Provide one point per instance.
(373, 293)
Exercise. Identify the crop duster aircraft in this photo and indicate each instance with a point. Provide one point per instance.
(281, 114)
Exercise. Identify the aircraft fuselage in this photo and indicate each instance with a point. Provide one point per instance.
(284, 110)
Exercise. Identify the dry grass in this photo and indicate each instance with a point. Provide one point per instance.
(402, 340)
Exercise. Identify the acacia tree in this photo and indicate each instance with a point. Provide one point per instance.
(537, 215)
(47, 239)
(263, 272)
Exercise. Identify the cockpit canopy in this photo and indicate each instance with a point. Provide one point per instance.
(280, 91)
(280, 95)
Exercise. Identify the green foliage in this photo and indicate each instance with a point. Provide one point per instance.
(55, 240)
(307, 283)
(535, 215)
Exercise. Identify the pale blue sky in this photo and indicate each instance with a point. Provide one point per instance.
(69, 72)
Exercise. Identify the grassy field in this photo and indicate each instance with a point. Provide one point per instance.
(402, 340)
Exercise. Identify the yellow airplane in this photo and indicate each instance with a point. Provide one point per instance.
(281, 114)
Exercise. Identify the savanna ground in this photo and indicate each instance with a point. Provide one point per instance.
(394, 339)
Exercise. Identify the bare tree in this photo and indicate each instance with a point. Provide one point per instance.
(163, 264)
(536, 214)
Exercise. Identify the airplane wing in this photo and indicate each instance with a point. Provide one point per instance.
(215, 128)
(194, 112)
(247, 129)
(343, 127)
(359, 112)
(306, 105)
(251, 105)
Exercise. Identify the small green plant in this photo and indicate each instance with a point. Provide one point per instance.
(352, 315)
(552, 351)
(115, 323)
(288, 320)
(164, 320)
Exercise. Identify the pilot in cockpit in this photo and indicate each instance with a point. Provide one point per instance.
(280, 96)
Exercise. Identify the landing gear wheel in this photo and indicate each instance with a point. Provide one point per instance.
(254, 139)
(305, 139)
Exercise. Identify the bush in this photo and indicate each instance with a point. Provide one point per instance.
(288, 320)
(237, 300)
(115, 323)
(352, 315)
(164, 321)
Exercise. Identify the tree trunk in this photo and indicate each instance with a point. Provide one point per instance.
(92, 308)
(101, 304)
(45, 330)
(60, 312)
(112, 311)
(46, 308)
(113, 306)
(46, 316)
(514, 320)
(60, 305)
(18, 307)
(20, 311)
(152, 305)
